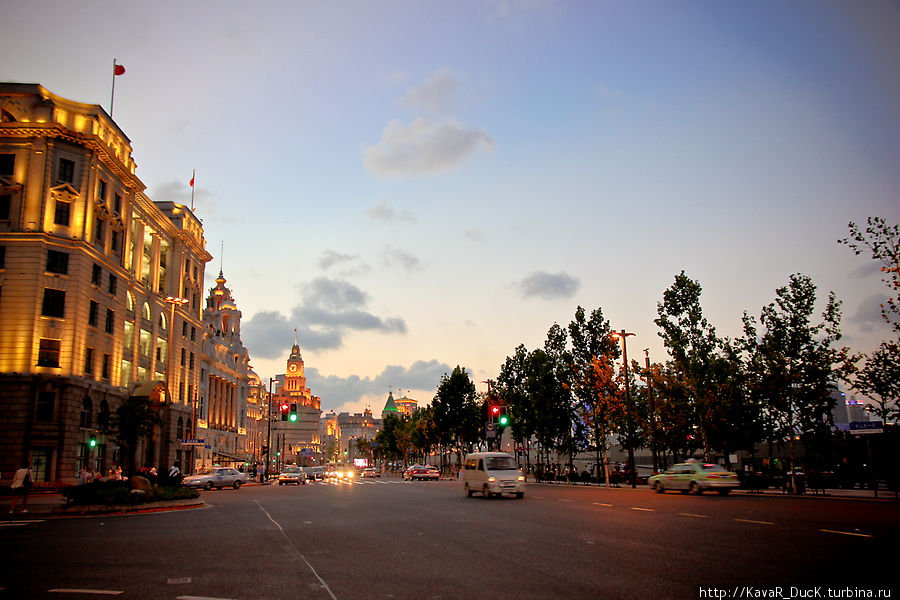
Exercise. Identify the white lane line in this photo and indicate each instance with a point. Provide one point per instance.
(86, 591)
(565, 500)
(865, 535)
(178, 580)
(601, 504)
(284, 535)
(643, 509)
(754, 522)
(693, 515)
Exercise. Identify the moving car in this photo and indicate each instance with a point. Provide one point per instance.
(341, 472)
(493, 473)
(371, 472)
(314, 474)
(694, 476)
(216, 477)
(290, 475)
(422, 472)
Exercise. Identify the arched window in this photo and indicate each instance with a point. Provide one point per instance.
(146, 322)
(103, 416)
(87, 413)
(163, 325)
(129, 302)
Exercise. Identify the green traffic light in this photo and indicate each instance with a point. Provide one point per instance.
(293, 417)
(93, 442)
(504, 420)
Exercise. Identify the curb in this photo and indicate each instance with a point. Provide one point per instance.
(148, 507)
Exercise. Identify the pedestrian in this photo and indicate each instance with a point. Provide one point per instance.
(153, 475)
(21, 485)
(175, 473)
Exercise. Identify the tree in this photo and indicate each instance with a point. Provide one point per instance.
(132, 423)
(510, 387)
(879, 379)
(456, 413)
(792, 364)
(692, 343)
(883, 242)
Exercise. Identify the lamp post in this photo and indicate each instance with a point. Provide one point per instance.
(651, 406)
(174, 301)
(268, 428)
(623, 335)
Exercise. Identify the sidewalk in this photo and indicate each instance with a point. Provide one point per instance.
(42, 505)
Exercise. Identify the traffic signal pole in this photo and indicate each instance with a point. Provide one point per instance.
(268, 428)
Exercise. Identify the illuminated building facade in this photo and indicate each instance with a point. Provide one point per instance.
(399, 406)
(299, 440)
(99, 291)
(224, 383)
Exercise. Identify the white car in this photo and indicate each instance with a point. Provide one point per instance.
(216, 477)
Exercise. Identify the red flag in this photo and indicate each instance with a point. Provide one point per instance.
(192, 182)
(119, 70)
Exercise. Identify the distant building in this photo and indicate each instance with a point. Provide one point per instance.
(406, 406)
(298, 440)
(390, 407)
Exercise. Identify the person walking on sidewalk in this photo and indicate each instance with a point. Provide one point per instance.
(21, 485)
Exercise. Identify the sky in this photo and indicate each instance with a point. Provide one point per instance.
(415, 185)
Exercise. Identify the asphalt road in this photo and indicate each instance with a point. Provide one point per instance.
(426, 540)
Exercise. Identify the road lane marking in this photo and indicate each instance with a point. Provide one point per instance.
(178, 580)
(693, 515)
(85, 591)
(865, 535)
(284, 535)
(754, 522)
(601, 504)
(643, 509)
(200, 598)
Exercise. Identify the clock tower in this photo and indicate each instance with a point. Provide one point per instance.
(294, 379)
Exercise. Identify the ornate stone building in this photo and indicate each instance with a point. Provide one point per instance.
(225, 382)
(299, 439)
(99, 291)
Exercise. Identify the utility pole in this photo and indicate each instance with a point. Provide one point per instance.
(623, 335)
(268, 428)
(652, 408)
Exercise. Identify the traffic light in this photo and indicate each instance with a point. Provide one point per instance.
(284, 411)
(265, 450)
(93, 441)
(495, 411)
(293, 416)
(504, 420)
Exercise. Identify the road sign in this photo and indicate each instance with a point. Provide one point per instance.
(490, 430)
(192, 442)
(860, 427)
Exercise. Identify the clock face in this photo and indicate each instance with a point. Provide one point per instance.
(292, 368)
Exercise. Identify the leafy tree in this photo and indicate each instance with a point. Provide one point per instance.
(883, 242)
(792, 363)
(393, 439)
(510, 387)
(879, 379)
(692, 343)
(132, 423)
(456, 413)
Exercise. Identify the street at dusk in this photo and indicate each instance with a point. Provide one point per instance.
(425, 540)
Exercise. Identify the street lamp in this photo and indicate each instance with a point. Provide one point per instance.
(623, 335)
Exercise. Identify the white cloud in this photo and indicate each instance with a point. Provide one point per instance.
(394, 256)
(383, 212)
(424, 147)
(437, 95)
(549, 286)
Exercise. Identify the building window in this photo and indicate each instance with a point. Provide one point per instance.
(89, 362)
(100, 233)
(61, 214)
(117, 206)
(57, 262)
(5, 203)
(193, 333)
(191, 364)
(101, 191)
(113, 284)
(44, 409)
(104, 370)
(7, 164)
(110, 320)
(2, 257)
(179, 429)
(54, 304)
(103, 415)
(96, 275)
(87, 413)
(184, 327)
(182, 357)
(48, 353)
(181, 392)
(113, 241)
(92, 313)
(66, 171)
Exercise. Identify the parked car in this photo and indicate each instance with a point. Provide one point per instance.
(694, 476)
(290, 475)
(422, 472)
(216, 477)
(371, 472)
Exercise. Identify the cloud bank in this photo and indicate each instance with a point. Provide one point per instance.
(549, 286)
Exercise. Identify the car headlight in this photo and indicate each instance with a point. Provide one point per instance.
(521, 478)
(492, 479)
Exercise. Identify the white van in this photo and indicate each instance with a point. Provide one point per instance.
(493, 473)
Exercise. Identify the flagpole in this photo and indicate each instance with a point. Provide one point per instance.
(193, 176)
(112, 95)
